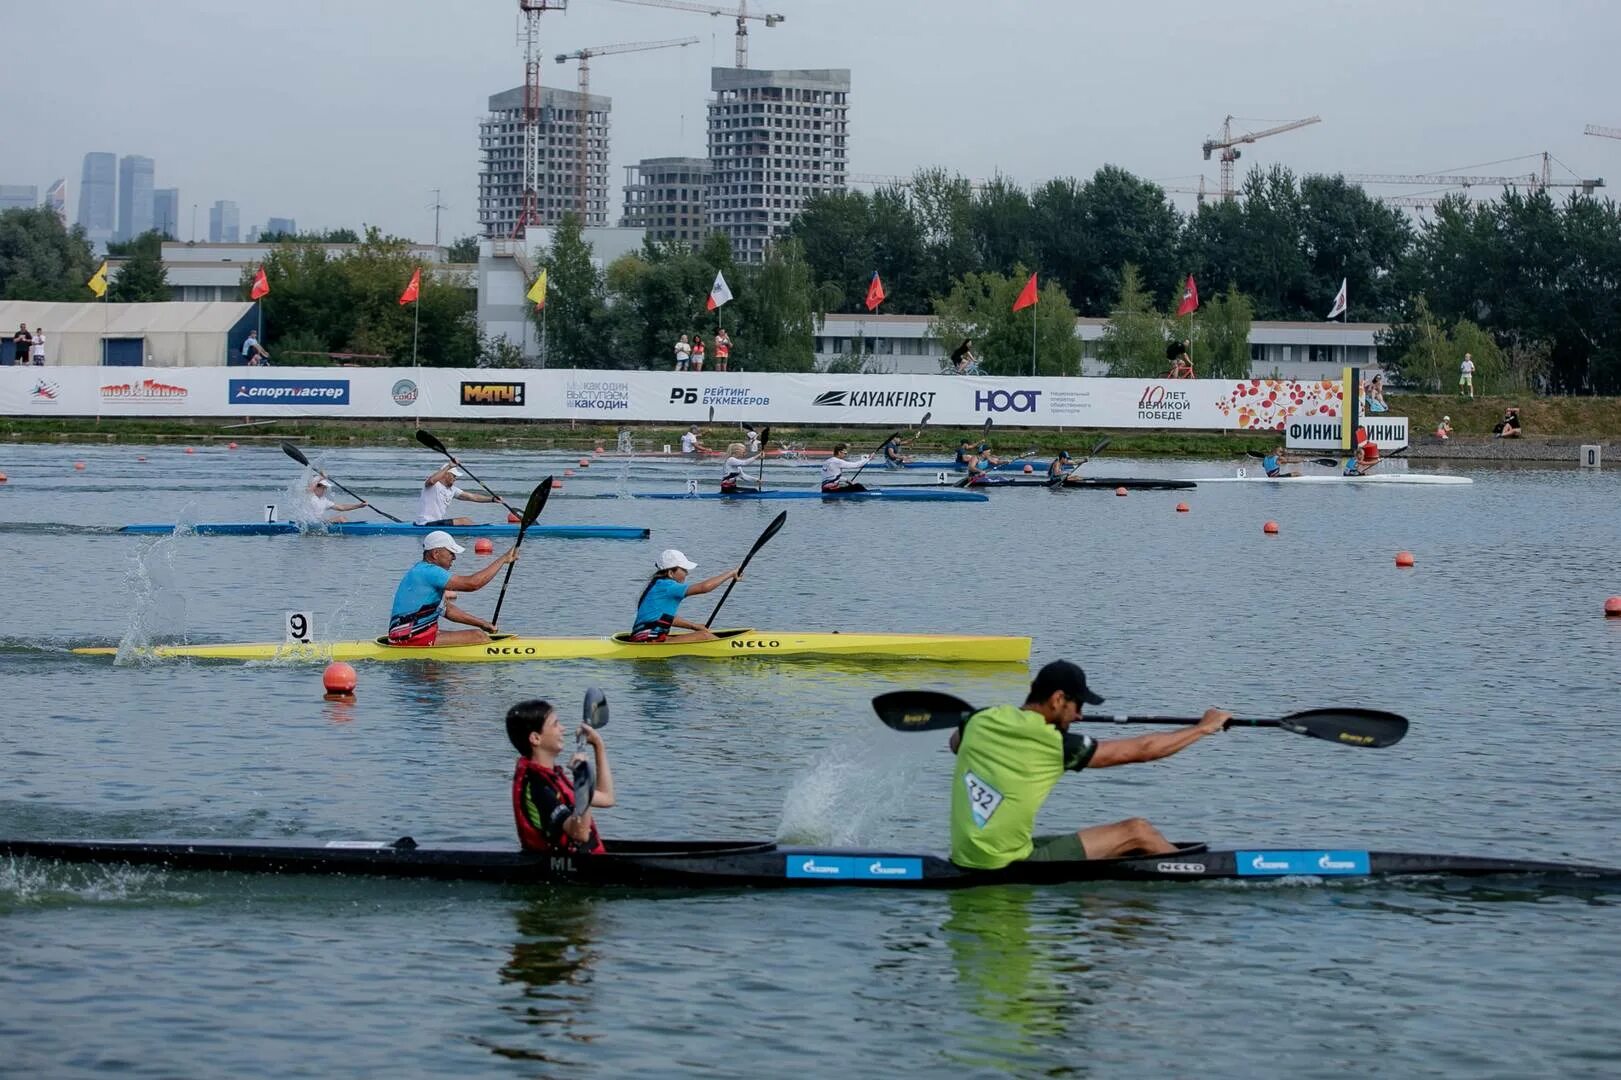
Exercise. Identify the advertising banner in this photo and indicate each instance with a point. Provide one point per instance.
(671, 397)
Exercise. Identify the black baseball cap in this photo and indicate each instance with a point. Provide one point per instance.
(1065, 676)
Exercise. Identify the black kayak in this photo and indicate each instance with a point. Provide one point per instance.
(686, 864)
(1109, 483)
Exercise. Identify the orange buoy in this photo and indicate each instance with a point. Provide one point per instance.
(1404, 558)
(2, 477)
(512, 519)
(483, 546)
(568, 472)
(1029, 468)
(585, 463)
(1612, 607)
(1270, 528)
(140, 457)
(1120, 491)
(79, 465)
(1181, 508)
(557, 485)
(230, 446)
(339, 678)
(189, 450)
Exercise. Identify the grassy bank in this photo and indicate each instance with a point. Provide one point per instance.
(1585, 418)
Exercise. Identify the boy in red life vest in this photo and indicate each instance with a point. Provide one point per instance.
(543, 790)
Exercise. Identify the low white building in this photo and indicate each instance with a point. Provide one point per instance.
(135, 335)
(201, 272)
(1291, 350)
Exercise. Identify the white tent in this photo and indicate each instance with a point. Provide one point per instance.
(171, 334)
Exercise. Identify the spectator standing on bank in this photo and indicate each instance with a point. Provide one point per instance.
(253, 354)
(36, 348)
(21, 342)
(723, 349)
(683, 353)
(697, 352)
(1466, 376)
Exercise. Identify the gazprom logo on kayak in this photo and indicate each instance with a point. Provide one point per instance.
(1158, 403)
(853, 867)
(1301, 863)
(876, 399)
(1019, 401)
(289, 391)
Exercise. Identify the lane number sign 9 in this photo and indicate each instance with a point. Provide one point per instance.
(300, 626)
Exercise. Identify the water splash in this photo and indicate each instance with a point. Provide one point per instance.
(157, 602)
(849, 797)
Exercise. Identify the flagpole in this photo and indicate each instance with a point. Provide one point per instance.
(416, 319)
(1032, 340)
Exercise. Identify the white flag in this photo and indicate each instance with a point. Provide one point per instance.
(1339, 300)
(719, 294)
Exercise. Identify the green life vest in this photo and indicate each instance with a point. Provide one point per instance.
(1007, 762)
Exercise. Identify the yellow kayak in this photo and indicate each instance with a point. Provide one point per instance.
(730, 644)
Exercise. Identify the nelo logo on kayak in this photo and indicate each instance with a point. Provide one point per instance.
(756, 643)
(876, 399)
(1180, 867)
(510, 650)
(1019, 401)
(1158, 403)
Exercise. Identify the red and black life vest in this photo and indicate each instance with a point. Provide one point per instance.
(560, 785)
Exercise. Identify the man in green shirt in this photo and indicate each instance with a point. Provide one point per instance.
(1008, 760)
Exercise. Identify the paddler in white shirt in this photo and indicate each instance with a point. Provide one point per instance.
(834, 468)
(438, 490)
(735, 478)
(319, 502)
(691, 444)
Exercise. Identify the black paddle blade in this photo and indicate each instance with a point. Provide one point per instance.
(770, 530)
(921, 710)
(295, 453)
(585, 786)
(765, 436)
(427, 438)
(923, 423)
(536, 503)
(1350, 727)
(1098, 447)
(596, 708)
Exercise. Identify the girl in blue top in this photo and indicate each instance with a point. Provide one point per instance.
(655, 611)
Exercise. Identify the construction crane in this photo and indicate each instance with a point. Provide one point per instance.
(1602, 132)
(1228, 145)
(740, 13)
(530, 10)
(582, 121)
(1535, 181)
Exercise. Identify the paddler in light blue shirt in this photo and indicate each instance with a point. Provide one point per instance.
(1274, 462)
(419, 602)
(655, 611)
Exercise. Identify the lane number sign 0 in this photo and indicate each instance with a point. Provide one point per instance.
(300, 626)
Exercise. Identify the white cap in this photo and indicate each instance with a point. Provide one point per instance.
(441, 539)
(670, 558)
(454, 471)
(321, 481)
(1446, 419)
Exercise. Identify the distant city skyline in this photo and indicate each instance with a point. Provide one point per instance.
(1086, 86)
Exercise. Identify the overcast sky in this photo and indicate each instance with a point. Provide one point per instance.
(337, 112)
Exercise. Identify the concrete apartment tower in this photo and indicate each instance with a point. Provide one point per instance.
(18, 196)
(98, 198)
(500, 173)
(775, 139)
(224, 223)
(280, 226)
(166, 212)
(134, 196)
(665, 196)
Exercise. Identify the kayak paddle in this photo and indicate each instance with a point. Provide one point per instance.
(298, 455)
(765, 437)
(531, 511)
(851, 482)
(770, 530)
(929, 710)
(585, 772)
(1097, 448)
(984, 439)
(426, 438)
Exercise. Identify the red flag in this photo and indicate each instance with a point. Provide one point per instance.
(875, 292)
(1190, 298)
(414, 288)
(261, 285)
(1028, 296)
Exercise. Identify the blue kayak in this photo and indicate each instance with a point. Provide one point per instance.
(389, 528)
(917, 494)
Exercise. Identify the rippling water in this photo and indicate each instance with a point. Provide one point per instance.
(1494, 645)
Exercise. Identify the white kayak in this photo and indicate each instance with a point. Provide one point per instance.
(1372, 478)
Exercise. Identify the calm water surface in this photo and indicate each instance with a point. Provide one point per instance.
(1494, 645)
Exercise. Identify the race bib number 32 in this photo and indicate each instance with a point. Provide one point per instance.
(982, 798)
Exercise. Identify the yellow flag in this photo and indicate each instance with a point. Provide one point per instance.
(537, 291)
(98, 281)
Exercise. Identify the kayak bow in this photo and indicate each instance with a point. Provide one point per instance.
(388, 528)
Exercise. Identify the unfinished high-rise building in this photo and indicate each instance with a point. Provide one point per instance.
(665, 196)
(776, 138)
(500, 176)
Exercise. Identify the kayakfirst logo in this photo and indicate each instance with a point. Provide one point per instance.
(1158, 403)
(1019, 401)
(852, 867)
(876, 399)
(289, 391)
